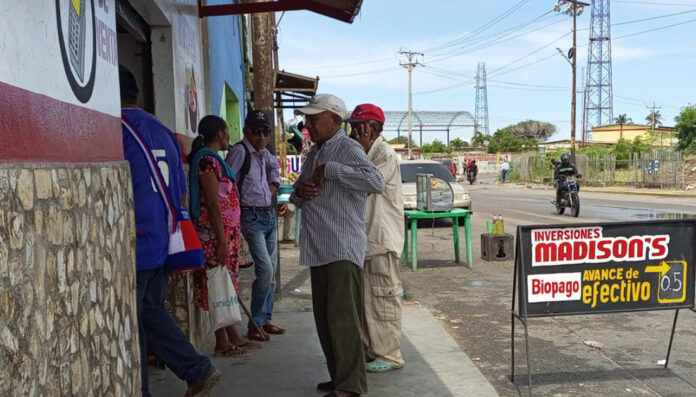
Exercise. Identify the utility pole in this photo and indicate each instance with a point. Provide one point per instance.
(575, 8)
(410, 65)
(653, 121)
(262, 58)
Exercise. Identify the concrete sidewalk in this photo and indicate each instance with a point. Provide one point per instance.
(291, 365)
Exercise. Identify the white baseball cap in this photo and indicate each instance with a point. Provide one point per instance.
(323, 103)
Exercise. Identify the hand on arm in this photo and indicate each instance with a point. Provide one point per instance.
(355, 172)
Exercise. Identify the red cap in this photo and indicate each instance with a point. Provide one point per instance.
(366, 112)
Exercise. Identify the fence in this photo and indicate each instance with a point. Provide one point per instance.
(651, 169)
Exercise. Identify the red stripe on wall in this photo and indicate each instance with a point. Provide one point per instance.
(35, 127)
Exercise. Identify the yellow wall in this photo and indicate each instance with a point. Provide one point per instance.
(612, 134)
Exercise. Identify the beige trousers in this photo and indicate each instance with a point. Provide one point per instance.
(382, 323)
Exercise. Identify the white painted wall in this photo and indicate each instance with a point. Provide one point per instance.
(30, 55)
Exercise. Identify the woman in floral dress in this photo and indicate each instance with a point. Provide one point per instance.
(216, 213)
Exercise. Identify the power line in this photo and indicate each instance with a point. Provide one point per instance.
(485, 26)
(655, 3)
(655, 29)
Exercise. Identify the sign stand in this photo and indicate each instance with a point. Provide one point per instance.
(521, 312)
(671, 337)
(522, 318)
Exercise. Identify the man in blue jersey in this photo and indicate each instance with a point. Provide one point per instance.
(157, 329)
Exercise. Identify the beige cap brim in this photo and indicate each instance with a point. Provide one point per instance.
(311, 111)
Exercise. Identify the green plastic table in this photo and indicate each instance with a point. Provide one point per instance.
(412, 217)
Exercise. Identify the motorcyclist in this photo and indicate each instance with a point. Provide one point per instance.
(564, 168)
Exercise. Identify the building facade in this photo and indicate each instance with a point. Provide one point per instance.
(68, 323)
(610, 134)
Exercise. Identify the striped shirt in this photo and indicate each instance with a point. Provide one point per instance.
(333, 224)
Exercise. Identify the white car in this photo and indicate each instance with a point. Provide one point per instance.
(411, 168)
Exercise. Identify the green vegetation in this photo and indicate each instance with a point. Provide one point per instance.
(436, 146)
(686, 130)
(505, 141)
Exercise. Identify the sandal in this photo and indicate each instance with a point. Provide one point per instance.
(232, 351)
(378, 366)
(254, 334)
(251, 345)
(273, 329)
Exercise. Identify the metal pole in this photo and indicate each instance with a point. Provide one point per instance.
(421, 135)
(410, 103)
(671, 338)
(575, 66)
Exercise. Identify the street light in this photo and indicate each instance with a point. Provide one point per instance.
(574, 8)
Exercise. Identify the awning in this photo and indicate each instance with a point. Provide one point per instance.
(343, 10)
(295, 90)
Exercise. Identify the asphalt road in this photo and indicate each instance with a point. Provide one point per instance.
(562, 365)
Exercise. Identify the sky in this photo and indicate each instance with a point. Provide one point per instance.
(527, 77)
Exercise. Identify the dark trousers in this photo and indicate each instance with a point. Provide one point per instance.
(337, 300)
(159, 331)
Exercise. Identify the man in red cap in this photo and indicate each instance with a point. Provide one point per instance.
(385, 240)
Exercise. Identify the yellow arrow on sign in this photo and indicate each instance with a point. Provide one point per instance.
(662, 269)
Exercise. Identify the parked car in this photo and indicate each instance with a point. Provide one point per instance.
(451, 165)
(409, 171)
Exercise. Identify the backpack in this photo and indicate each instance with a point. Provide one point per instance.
(246, 166)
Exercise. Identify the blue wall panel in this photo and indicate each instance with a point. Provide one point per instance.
(226, 57)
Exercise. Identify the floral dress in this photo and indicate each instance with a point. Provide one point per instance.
(230, 209)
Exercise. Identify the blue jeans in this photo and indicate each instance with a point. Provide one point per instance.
(159, 331)
(505, 175)
(260, 229)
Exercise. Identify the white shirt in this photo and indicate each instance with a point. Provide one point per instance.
(384, 214)
(505, 166)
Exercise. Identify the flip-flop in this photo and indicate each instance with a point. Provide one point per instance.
(257, 336)
(378, 366)
(251, 345)
(233, 351)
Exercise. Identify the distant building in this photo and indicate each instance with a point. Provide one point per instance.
(610, 134)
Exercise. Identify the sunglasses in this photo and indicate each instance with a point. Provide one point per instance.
(261, 131)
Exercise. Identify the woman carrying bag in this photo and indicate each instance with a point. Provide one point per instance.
(216, 212)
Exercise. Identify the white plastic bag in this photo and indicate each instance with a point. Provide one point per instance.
(223, 304)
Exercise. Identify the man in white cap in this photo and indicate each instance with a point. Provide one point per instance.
(332, 191)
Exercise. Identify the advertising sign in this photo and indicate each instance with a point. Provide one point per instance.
(600, 268)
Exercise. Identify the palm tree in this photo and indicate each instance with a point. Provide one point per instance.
(480, 139)
(654, 118)
(623, 119)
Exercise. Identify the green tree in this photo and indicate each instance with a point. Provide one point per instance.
(623, 119)
(436, 146)
(538, 130)
(654, 119)
(480, 140)
(402, 140)
(505, 141)
(686, 129)
(639, 146)
(622, 150)
(458, 143)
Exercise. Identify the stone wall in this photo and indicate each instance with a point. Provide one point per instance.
(68, 321)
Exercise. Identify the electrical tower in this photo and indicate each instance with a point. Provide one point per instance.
(599, 99)
(481, 113)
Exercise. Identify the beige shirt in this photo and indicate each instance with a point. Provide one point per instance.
(384, 216)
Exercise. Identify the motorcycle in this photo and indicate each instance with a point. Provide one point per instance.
(570, 196)
(471, 177)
